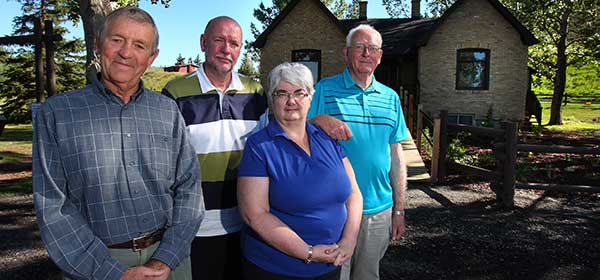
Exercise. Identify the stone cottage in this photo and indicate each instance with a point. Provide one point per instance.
(472, 61)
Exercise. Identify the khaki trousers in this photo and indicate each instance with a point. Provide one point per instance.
(129, 257)
(372, 242)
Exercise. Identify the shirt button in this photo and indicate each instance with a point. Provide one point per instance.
(145, 220)
(136, 191)
(132, 163)
(128, 134)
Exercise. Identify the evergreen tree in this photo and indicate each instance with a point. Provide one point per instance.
(197, 60)
(17, 92)
(247, 68)
(180, 60)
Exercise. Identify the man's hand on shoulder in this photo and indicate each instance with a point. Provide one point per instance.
(335, 128)
(151, 270)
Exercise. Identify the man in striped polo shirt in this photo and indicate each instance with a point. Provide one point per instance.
(221, 109)
(354, 107)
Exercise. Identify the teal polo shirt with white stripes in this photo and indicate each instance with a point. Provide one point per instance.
(375, 118)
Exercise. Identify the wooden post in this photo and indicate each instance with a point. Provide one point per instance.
(443, 167)
(39, 66)
(419, 125)
(50, 66)
(510, 165)
(435, 150)
(411, 114)
(440, 148)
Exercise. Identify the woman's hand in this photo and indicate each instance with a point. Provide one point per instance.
(345, 251)
(325, 253)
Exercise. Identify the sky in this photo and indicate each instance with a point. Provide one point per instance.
(181, 25)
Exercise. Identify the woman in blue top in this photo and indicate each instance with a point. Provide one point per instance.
(296, 190)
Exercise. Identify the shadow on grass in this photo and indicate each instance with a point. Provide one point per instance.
(19, 186)
(20, 133)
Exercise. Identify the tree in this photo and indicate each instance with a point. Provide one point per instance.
(180, 60)
(197, 60)
(92, 13)
(569, 34)
(247, 68)
(568, 31)
(17, 92)
(266, 14)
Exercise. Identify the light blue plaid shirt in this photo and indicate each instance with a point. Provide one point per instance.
(105, 172)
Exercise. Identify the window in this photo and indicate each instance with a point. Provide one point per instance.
(473, 69)
(461, 118)
(310, 58)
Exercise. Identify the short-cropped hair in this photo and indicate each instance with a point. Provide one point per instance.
(294, 73)
(363, 27)
(129, 12)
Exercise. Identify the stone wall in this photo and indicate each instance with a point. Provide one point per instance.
(475, 24)
(305, 27)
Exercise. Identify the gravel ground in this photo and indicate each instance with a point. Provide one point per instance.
(452, 233)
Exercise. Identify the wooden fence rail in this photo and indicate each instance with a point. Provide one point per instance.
(505, 150)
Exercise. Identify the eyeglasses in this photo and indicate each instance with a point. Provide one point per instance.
(362, 48)
(284, 95)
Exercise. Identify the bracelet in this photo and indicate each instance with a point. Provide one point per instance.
(398, 212)
(310, 253)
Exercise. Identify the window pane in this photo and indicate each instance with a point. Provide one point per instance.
(471, 56)
(314, 68)
(471, 75)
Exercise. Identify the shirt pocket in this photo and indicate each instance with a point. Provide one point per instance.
(162, 156)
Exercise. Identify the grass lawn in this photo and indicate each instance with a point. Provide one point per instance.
(15, 160)
(576, 117)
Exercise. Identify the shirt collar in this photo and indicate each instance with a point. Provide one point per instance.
(349, 82)
(206, 86)
(275, 129)
(104, 91)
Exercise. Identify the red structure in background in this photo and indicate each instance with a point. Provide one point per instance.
(185, 68)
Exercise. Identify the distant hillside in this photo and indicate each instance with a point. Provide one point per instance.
(582, 83)
(155, 78)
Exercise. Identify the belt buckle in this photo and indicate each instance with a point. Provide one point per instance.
(134, 246)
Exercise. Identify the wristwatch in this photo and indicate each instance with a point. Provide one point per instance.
(398, 212)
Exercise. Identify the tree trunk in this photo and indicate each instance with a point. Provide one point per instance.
(92, 14)
(560, 78)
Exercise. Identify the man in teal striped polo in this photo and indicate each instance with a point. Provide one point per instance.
(352, 106)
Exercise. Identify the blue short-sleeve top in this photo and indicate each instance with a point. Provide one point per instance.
(307, 193)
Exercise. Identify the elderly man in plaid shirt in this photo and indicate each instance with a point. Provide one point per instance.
(116, 182)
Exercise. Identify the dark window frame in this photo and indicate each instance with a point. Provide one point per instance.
(486, 71)
(312, 51)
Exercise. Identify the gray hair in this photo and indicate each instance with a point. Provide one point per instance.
(366, 28)
(129, 12)
(294, 73)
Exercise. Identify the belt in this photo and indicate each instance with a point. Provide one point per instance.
(140, 243)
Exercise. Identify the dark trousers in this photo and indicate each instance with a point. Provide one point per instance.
(217, 257)
(251, 271)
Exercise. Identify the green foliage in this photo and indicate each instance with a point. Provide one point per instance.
(522, 171)
(582, 82)
(180, 60)
(458, 152)
(155, 79)
(247, 68)
(266, 14)
(17, 92)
